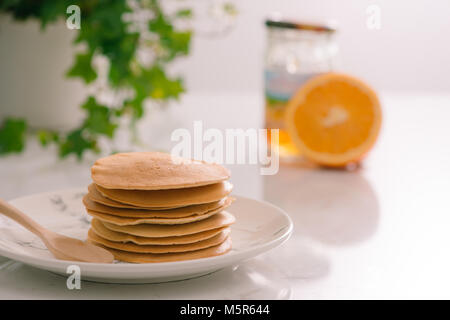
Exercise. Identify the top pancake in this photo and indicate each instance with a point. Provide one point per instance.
(154, 171)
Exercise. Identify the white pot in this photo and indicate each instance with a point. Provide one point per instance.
(33, 63)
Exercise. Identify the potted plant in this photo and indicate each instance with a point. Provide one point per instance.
(121, 50)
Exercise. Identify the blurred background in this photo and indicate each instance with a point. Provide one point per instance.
(407, 53)
(64, 103)
(60, 94)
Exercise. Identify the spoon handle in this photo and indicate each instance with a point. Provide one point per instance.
(21, 218)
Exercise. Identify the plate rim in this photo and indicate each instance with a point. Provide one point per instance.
(238, 256)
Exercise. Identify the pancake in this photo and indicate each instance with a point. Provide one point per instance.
(133, 257)
(175, 197)
(221, 219)
(144, 213)
(96, 196)
(124, 221)
(98, 227)
(154, 171)
(131, 247)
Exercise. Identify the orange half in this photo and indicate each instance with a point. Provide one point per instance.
(334, 119)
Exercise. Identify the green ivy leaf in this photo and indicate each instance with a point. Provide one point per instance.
(99, 118)
(50, 11)
(160, 25)
(174, 42)
(83, 68)
(105, 32)
(45, 10)
(12, 135)
(153, 83)
(76, 142)
(120, 56)
(160, 85)
(46, 137)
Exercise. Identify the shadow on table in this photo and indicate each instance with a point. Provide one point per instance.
(253, 279)
(335, 207)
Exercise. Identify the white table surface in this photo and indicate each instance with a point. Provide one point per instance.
(381, 231)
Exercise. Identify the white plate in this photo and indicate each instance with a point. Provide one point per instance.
(259, 227)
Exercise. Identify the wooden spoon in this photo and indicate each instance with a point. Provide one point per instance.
(62, 247)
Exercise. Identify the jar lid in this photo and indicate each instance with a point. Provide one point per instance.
(285, 24)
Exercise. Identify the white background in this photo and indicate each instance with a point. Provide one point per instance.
(409, 54)
(411, 51)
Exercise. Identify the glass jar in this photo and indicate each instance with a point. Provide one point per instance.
(295, 52)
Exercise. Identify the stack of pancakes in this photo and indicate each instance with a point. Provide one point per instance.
(152, 207)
